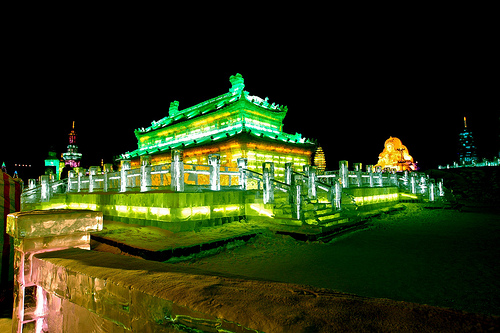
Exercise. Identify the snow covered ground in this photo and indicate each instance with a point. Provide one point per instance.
(437, 257)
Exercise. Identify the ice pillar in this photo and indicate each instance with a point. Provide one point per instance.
(145, 174)
(296, 198)
(38, 232)
(123, 175)
(177, 170)
(380, 178)
(242, 166)
(440, 188)
(369, 170)
(357, 169)
(344, 173)
(92, 178)
(71, 175)
(310, 171)
(413, 184)
(338, 195)
(45, 194)
(432, 188)
(288, 173)
(268, 177)
(214, 162)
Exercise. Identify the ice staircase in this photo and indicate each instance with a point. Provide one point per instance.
(314, 213)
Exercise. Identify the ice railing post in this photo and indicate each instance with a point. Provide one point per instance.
(369, 170)
(295, 195)
(123, 175)
(36, 232)
(268, 177)
(92, 178)
(45, 188)
(242, 166)
(358, 170)
(107, 169)
(288, 173)
(177, 170)
(145, 173)
(344, 173)
(310, 172)
(214, 162)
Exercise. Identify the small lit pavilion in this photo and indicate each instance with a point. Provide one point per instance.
(234, 125)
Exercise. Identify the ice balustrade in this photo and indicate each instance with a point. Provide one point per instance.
(177, 176)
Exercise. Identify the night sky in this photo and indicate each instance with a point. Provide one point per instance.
(349, 94)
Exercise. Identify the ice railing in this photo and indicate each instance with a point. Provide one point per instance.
(177, 176)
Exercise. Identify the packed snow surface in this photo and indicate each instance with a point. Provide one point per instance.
(438, 257)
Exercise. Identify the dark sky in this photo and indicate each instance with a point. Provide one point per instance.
(350, 94)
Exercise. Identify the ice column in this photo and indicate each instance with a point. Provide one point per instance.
(338, 194)
(310, 171)
(357, 169)
(79, 177)
(242, 166)
(296, 198)
(440, 188)
(413, 184)
(344, 173)
(288, 173)
(369, 170)
(214, 162)
(92, 178)
(380, 178)
(123, 175)
(36, 232)
(177, 170)
(268, 177)
(45, 194)
(394, 179)
(71, 175)
(145, 174)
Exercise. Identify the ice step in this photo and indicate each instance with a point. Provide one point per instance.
(327, 220)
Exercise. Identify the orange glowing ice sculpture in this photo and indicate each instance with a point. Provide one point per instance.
(395, 156)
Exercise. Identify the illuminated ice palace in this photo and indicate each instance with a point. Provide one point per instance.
(233, 144)
(221, 161)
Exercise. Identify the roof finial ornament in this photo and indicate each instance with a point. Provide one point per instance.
(173, 109)
(237, 82)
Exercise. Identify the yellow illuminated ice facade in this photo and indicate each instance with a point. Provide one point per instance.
(234, 125)
(395, 156)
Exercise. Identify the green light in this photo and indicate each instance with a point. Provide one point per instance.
(224, 116)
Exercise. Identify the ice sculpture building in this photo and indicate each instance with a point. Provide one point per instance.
(395, 156)
(466, 148)
(233, 125)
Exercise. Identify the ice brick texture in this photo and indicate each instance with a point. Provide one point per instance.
(37, 232)
(130, 294)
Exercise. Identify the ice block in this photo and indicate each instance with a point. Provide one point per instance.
(52, 222)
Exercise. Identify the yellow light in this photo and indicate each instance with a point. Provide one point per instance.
(122, 209)
(159, 211)
(261, 211)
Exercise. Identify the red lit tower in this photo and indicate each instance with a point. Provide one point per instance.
(72, 156)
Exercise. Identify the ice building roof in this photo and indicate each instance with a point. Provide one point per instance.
(215, 119)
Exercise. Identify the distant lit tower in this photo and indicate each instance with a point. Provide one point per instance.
(72, 156)
(466, 148)
(320, 161)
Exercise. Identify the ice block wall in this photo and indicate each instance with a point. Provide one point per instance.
(36, 232)
(174, 211)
